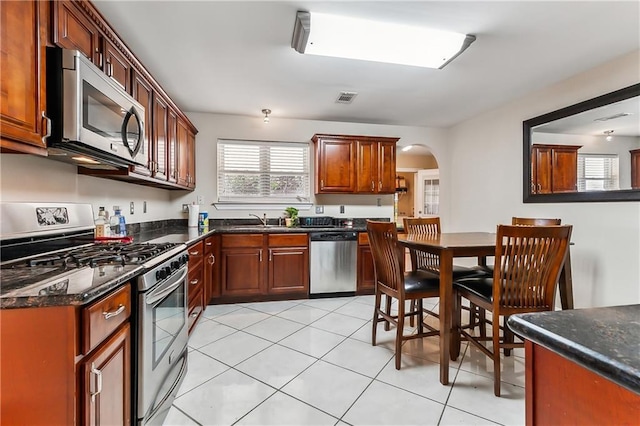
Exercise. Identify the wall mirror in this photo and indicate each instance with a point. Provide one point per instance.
(589, 151)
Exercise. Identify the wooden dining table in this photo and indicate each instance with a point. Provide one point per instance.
(465, 244)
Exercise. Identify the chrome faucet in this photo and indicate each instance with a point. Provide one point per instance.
(262, 219)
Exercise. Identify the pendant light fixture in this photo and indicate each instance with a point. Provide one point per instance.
(266, 113)
(609, 138)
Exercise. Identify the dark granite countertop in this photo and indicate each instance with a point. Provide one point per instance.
(603, 340)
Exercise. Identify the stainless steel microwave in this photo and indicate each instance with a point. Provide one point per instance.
(94, 122)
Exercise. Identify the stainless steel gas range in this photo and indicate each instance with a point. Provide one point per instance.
(48, 251)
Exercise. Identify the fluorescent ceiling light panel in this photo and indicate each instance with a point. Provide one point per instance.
(343, 37)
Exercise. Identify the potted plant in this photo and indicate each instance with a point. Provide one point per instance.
(292, 216)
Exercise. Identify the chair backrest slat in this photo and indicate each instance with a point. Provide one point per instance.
(534, 221)
(423, 226)
(529, 261)
(388, 260)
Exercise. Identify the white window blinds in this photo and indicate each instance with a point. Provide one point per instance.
(598, 172)
(259, 171)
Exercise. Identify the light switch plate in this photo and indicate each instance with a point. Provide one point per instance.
(200, 200)
(131, 207)
(319, 209)
(341, 209)
(144, 207)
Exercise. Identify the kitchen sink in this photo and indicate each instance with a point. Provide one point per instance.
(256, 227)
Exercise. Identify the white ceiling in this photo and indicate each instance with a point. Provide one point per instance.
(235, 57)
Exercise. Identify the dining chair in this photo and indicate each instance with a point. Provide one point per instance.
(523, 221)
(392, 280)
(421, 260)
(528, 264)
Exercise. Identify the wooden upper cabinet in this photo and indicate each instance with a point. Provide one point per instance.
(172, 146)
(355, 164)
(117, 66)
(335, 164)
(554, 168)
(182, 141)
(22, 77)
(159, 138)
(635, 168)
(73, 30)
(191, 165)
(143, 93)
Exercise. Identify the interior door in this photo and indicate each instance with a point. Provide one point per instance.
(427, 193)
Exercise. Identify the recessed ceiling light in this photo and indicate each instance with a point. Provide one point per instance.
(85, 160)
(345, 37)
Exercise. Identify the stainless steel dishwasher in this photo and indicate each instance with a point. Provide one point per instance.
(333, 262)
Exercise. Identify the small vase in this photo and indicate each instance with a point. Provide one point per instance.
(288, 222)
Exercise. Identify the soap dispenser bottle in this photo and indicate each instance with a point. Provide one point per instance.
(119, 222)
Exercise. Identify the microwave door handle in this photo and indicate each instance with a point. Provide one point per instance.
(125, 124)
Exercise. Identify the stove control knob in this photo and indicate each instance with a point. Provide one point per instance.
(184, 259)
(161, 274)
(167, 270)
(175, 265)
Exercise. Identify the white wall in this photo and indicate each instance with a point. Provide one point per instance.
(212, 127)
(30, 178)
(486, 187)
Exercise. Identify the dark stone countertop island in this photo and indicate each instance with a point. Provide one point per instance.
(605, 340)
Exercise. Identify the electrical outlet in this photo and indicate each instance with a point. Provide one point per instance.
(144, 207)
(379, 202)
(131, 207)
(341, 209)
(319, 209)
(185, 208)
(200, 200)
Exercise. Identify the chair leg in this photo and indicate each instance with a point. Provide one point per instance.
(413, 308)
(496, 355)
(375, 317)
(399, 331)
(420, 315)
(456, 322)
(508, 335)
(482, 321)
(388, 311)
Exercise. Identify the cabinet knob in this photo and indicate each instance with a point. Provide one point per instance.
(194, 282)
(115, 313)
(98, 386)
(212, 259)
(380, 186)
(321, 183)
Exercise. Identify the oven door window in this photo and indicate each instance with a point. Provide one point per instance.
(169, 318)
(104, 116)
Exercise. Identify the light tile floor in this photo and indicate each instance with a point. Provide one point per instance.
(310, 362)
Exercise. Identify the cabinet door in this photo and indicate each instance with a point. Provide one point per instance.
(22, 76)
(635, 168)
(386, 168)
(159, 138)
(366, 273)
(143, 93)
(183, 154)
(211, 270)
(335, 166)
(73, 30)
(367, 181)
(564, 170)
(106, 382)
(117, 66)
(191, 147)
(542, 158)
(172, 146)
(242, 271)
(288, 270)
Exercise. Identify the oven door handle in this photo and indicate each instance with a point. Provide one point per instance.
(165, 289)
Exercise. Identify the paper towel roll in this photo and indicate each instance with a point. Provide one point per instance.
(194, 210)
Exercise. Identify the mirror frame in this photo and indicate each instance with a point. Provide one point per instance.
(572, 197)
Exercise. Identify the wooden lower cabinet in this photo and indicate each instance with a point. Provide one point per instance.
(366, 275)
(195, 288)
(635, 168)
(211, 268)
(561, 392)
(63, 365)
(288, 264)
(106, 382)
(264, 265)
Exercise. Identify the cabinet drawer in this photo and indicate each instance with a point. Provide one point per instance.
(196, 250)
(287, 240)
(210, 245)
(242, 240)
(363, 239)
(103, 317)
(194, 280)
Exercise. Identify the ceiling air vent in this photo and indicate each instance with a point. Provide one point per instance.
(612, 117)
(346, 97)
